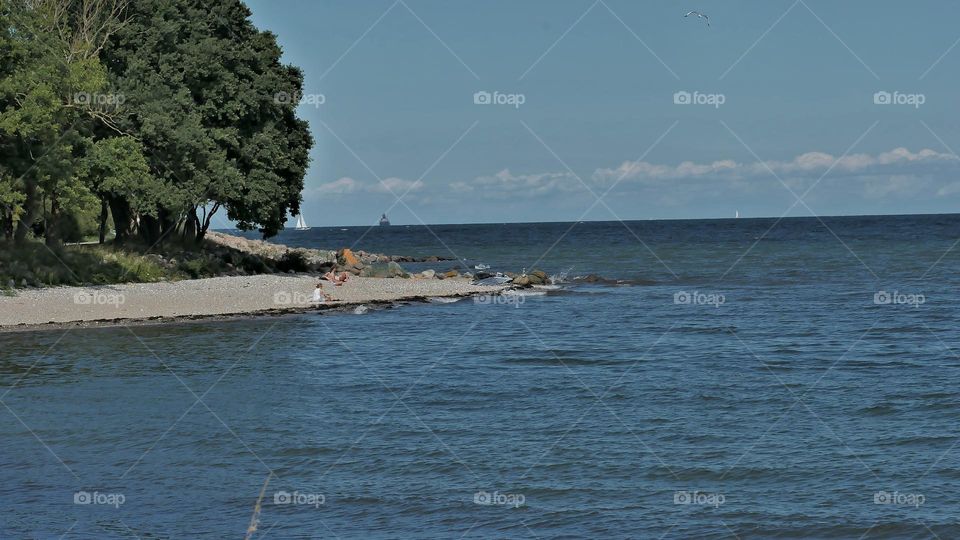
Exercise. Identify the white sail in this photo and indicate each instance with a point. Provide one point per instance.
(301, 224)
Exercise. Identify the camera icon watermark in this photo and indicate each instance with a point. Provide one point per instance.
(315, 500)
(286, 98)
(486, 498)
(883, 298)
(899, 98)
(115, 500)
(699, 498)
(697, 98)
(497, 98)
(99, 298)
(697, 298)
(899, 499)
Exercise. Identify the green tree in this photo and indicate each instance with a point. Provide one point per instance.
(115, 169)
(51, 51)
(201, 82)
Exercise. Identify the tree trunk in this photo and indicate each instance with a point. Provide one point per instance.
(51, 234)
(29, 212)
(202, 229)
(149, 230)
(190, 227)
(104, 213)
(168, 224)
(7, 216)
(122, 218)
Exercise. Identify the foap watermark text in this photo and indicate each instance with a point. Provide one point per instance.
(499, 98)
(697, 298)
(105, 499)
(315, 500)
(899, 499)
(882, 298)
(699, 498)
(515, 300)
(699, 98)
(286, 98)
(899, 98)
(486, 498)
(98, 100)
(99, 298)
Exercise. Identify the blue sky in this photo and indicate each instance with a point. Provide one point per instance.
(598, 83)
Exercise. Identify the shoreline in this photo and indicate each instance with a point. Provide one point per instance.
(211, 299)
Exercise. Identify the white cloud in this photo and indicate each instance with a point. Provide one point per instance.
(505, 184)
(897, 173)
(346, 185)
(396, 186)
(899, 162)
(340, 186)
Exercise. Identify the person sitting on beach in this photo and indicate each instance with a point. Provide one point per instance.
(319, 296)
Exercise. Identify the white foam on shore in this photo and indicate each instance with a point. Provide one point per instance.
(523, 292)
(444, 299)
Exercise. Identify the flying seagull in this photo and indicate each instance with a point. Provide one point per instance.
(699, 16)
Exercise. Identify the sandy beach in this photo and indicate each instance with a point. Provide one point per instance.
(213, 297)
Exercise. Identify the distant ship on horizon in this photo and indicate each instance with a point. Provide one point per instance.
(384, 222)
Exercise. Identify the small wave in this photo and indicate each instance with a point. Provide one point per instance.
(307, 451)
(733, 474)
(560, 277)
(938, 395)
(554, 361)
(548, 287)
(595, 279)
(523, 292)
(444, 299)
(702, 329)
(880, 409)
(920, 440)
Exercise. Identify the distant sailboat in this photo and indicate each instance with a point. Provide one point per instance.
(738, 215)
(301, 224)
(384, 222)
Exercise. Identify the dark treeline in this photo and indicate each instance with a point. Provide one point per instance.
(144, 117)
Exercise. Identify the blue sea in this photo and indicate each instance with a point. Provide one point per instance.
(748, 378)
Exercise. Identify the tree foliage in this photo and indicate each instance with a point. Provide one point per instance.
(163, 111)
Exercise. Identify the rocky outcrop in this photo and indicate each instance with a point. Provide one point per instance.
(536, 277)
(383, 270)
(345, 257)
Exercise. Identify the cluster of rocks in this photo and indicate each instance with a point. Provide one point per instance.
(404, 258)
(316, 258)
(367, 265)
(363, 264)
(536, 277)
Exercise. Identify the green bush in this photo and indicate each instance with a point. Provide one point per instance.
(77, 265)
(293, 260)
(254, 265)
(200, 267)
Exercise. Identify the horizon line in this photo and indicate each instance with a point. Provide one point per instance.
(625, 220)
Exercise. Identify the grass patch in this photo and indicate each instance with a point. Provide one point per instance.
(34, 265)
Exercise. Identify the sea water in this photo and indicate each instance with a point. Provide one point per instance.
(713, 379)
